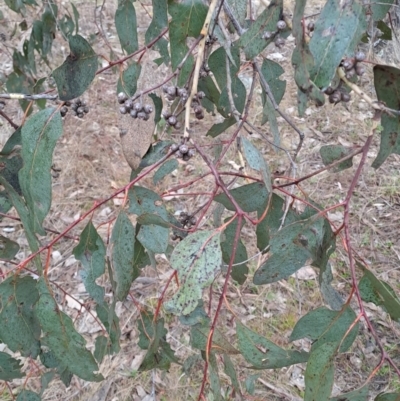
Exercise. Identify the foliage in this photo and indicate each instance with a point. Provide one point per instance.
(204, 48)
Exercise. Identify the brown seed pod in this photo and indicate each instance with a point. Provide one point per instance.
(122, 97)
(128, 104)
(178, 125)
(268, 35)
(138, 106)
(350, 73)
(79, 110)
(191, 152)
(147, 108)
(63, 110)
(172, 120)
(329, 90)
(172, 91)
(186, 158)
(200, 95)
(142, 115)
(86, 109)
(345, 97)
(279, 42)
(133, 113)
(183, 149)
(123, 110)
(174, 147)
(166, 114)
(335, 97)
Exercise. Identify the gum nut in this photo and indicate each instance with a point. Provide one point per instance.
(174, 237)
(86, 109)
(329, 90)
(178, 125)
(80, 115)
(191, 152)
(133, 113)
(64, 109)
(201, 95)
(146, 116)
(345, 97)
(200, 116)
(172, 91)
(183, 149)
(193, 220)
(183, 215)
(348, 63)
(68, 103)
(267, 35)
(279, 42)
(78, 101)
(198, 109)
(203, 73)
(121, 97)
(172, 120)
(83, 103)
(182, 92)
(165, 88)
(311, 26)
(360, 56)
(138, 106)
(128, 104)
(178, 154)
(148, 108)
(186, 158)
(74, 106)
(170, 98)
(360, 70)
(141, 115)
(122, 110)
(79, 110)
(335, 97)
(281, 25)
(173, 147)
(166, 114)
(350, 73)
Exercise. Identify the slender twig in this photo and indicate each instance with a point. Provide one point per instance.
(21, 96)
(11, 122)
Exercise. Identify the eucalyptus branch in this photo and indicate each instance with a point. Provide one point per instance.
(21, 96)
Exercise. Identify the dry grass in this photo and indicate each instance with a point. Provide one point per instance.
(92, 166)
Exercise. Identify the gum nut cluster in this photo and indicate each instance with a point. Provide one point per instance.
(79, 108)
(182, 151)
(2, 105)
(187, 220)
(134, 109)
(171, 119)
(172, 92)
(196, 105)
(353, 65)
(337, 95)
(279, 41)
(204, 71)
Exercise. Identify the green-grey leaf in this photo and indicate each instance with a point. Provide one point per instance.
(331, 153)
(19, 326)
(10, 368)
(127, 82)
(320, 373)
(77, 72)
(338, 31)
(323, 326)
(250, 197)
(156, 152)
(59, 334)
(143, 201)
(220, 128)
(39, 136)
(197, 260)
(168, 167)
(123, 255)
(388, 397)
(27, 395)
(8, 248)
(91, 253)
(125, 22)
(263, 353)
(380, 8)
(387, 87)
(361, 394)
(256, 162)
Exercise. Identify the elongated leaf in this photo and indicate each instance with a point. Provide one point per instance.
(157, 25)
(338, 31)
(387, 86)
(388, 397)
(156, 152)
(123, 255)
(361, 394)
(158, 105)
(143, 201)
(263, 353)
(8, 248)
(27, 395)
(77, 72)
(91, 253)
(61, 337)
(125, 22)
(187, 20)
(39, 136)
(215, 383)
(107, 315)
(168, 167)
(250, 197)
(197, 260)
(152, 337)
(331, 153)
(380, 8)
(325, 326)
(380, 293)
(239, 10)
(256, 162)
(19, 326)
(10, 368)
(230, 371)
(252, 40)
(239, 270)
(49, 360)
(319, 373)
(220, 128)
(127, 82)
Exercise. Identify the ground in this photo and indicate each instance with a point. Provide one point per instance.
(89, 165)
